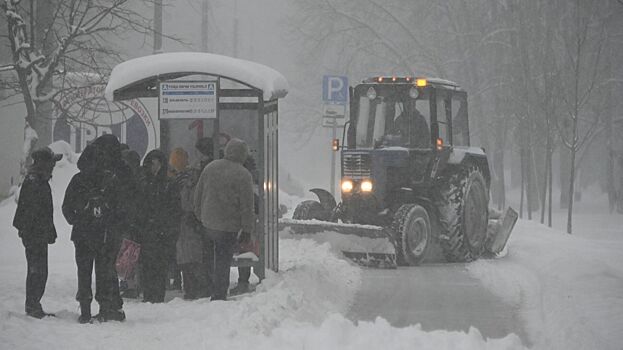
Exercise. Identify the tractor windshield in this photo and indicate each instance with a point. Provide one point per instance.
(392, 118)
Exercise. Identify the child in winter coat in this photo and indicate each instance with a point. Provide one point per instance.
(34, 220)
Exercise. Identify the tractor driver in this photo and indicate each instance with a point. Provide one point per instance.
(413, 124)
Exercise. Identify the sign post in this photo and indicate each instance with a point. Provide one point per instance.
(335, 98)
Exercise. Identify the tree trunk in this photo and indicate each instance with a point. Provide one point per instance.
(551, 178)
(546, 176)
(521, 161)
(571, 186)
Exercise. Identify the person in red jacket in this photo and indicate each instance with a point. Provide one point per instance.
(35, 223)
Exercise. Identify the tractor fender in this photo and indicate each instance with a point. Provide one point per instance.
(473, 155)
(326, 199)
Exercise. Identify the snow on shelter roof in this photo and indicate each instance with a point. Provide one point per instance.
(272, 83)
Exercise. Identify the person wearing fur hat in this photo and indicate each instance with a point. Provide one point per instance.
(223, 200)
(35, 224)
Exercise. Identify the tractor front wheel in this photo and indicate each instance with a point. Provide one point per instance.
(412, 227)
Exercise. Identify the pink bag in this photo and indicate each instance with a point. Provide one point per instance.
(127, 259)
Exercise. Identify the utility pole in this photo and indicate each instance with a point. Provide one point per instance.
(235, 28)
(157, 26)
(204, 26)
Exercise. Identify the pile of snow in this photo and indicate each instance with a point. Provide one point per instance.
(62, 147)
(568, 288)
(272, 83)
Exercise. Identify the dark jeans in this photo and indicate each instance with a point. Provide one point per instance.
(117, 301)
(87, 257)
(154, 265)
(208, 265)
(194, 278)
(224, 244)
(37, 274)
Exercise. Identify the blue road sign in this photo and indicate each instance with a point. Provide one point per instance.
(335, 89)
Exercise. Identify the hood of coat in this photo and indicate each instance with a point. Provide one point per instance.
(88, 161)
(236, 151)
(161, 157)
(109, 151)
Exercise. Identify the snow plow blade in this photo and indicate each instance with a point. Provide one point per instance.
(500, 227)
(367, 245)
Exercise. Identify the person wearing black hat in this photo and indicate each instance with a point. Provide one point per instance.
(35, 224)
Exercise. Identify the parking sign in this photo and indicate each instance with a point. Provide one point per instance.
(335, 89)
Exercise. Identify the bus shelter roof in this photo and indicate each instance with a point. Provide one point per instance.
(255, 75)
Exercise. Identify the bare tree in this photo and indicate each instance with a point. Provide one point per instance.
(583, 39)
(59, 46)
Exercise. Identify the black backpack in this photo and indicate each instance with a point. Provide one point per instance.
(98, 207)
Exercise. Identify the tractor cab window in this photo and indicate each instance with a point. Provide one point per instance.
(460, 127)
(393, 119)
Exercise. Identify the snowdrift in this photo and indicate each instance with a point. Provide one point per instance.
(567, 287)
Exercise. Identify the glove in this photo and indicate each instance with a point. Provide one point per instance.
(244, 238)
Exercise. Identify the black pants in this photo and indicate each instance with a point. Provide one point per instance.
(88, 256)
(37, 274)
(224, 244)
(154, 265)
(244, 273)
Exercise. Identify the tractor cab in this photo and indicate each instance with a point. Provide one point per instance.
(415, 113)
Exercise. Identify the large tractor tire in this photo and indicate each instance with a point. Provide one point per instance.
(412, 227)
(463, 215)
(308, 210)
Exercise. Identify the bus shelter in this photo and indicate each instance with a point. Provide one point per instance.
(201, 94)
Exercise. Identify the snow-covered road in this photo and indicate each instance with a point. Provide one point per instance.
(438, 296)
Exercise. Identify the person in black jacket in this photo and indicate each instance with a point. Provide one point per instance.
(92, 204)
(35, 223)
(159, 211)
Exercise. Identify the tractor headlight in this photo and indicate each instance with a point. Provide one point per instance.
(347, 186)
(366, 186)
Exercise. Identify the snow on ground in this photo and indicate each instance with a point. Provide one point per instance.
(300, 307)
(569, 287)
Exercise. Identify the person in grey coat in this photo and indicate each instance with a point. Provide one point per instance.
(223, 201)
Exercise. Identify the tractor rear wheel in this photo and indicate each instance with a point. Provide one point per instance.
(308, 210)
(411, 225)
(464, 215)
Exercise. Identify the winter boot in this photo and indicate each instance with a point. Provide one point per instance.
(116, 315)
(241, 288)
(85, 313)
(102, 316)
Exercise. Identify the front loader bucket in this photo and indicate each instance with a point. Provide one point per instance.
(500, 228)
(366, 245)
